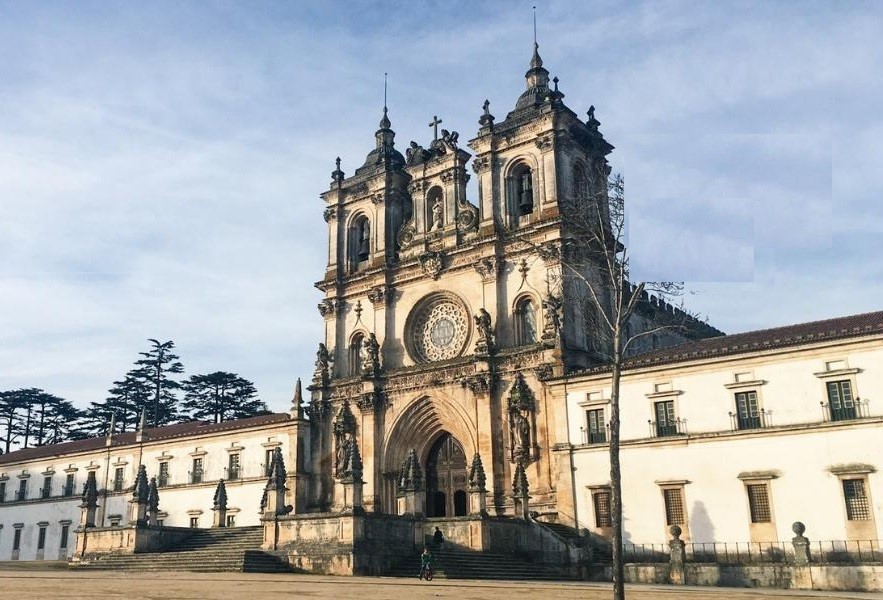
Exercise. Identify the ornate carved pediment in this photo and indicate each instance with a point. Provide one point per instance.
(432, 263)
(479, 383)
(489, 267)
(544, 142)
(405, 236)
(380, 295)
(467, 217)
(481, 164)
(550, 251)
(330, 307)
(544, 371)
(371, 401)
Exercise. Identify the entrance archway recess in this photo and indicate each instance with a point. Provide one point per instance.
(446, 476)
(419, 426)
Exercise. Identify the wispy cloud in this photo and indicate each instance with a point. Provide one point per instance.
(160, 165)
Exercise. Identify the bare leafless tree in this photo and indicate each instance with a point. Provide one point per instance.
(594, 280)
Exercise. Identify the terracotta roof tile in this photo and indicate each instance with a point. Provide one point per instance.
(752, 341)
(178, 430)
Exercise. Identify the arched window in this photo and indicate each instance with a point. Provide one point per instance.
(435, 209)
(359, 241)
(580, 186)
(522, 200)
(355, 357)
(525, 322)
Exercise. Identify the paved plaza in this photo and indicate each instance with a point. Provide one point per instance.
(27, 584)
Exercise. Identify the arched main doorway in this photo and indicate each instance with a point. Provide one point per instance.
(446, 478)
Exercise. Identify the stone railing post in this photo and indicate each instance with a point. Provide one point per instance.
(219, 505)
(800, 544)
(138, 503)
(477, 487)
(677, 557)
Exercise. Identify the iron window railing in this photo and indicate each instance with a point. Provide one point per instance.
(195, 476)
(741, 421)
(843, 411)
(45, 492)
(68, 489)
(232, 473)
(667, 428)
(596, 436)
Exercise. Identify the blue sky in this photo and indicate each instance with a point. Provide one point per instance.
(160, 164)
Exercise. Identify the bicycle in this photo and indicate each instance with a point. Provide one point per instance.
(426, 572)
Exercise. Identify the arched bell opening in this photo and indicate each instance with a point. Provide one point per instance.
(446, 477)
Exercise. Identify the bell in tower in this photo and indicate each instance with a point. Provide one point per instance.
(525, 197)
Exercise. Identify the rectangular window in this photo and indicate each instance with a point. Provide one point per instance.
(666, 424)
(233, 467)
(2, 491)
(69, 485)
(747, 410)
(840, 401)
(16, 539)
(163, 479)
(857, 506)
(268, 462)
(601, 500)
(231, 520)
(759, 503)
(196, 473)
(597, 430)
(674, 506)
(159, 522)
(65, 530)
(22, 490)
(118, 479)
(41, 538)
(47, 487)
(194, 522)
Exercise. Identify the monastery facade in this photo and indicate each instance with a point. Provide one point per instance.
(458, 378)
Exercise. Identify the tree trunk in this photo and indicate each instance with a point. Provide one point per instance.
(615, 473)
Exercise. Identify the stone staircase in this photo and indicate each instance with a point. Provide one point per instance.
(601, 552)
(207, 550)
(451, 563)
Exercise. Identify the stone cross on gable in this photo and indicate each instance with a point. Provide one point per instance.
(434, 124)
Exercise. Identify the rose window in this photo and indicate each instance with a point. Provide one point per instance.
(439, 329)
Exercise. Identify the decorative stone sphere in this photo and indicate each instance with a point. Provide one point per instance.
(675, 531)
(798, 528)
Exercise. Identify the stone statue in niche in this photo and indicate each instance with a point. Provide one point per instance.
(371, 356)
(344, 437)
(437, 217)
(364, 240)
(552, 307)
(521, 410)
(323, 366)
(484, 328)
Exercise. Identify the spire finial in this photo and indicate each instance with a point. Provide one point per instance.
(535, 45)
(384, 122)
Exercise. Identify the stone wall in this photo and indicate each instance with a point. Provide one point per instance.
(126, 540)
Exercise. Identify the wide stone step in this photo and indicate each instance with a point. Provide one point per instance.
(466, 565)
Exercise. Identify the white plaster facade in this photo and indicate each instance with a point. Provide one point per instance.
(182, 497)
(798, 451)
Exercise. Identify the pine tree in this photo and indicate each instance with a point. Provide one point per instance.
(156, 367)
(221, 396)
